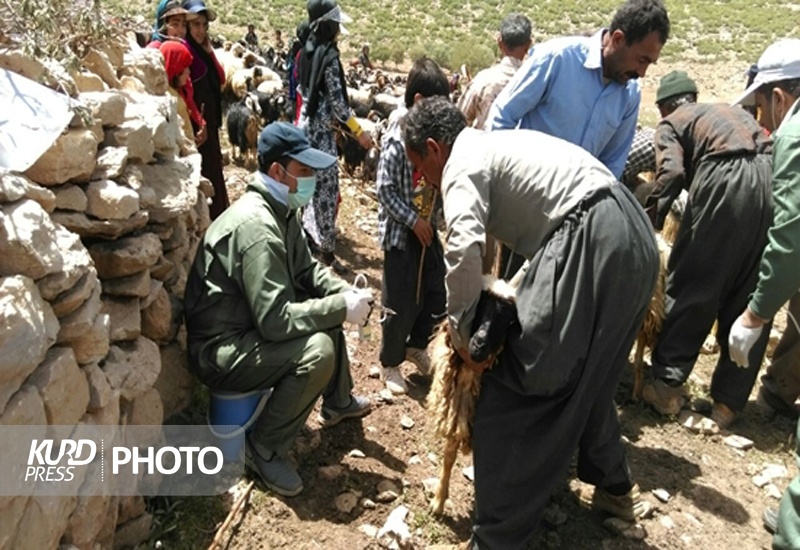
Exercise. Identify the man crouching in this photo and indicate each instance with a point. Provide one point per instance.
(593, 266)
(261, 313)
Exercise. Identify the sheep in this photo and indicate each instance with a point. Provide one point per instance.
(273, 106)
(243, 124)
(248, 80)
(455, 389)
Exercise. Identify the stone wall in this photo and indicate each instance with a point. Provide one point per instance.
(95, 242)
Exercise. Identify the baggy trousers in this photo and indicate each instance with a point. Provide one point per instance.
(298, 371)
(414, 320)
(783, 374)
(552, 390)
(712, 270)
(787, 536)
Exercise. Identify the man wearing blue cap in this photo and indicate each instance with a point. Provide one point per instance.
(262, 313)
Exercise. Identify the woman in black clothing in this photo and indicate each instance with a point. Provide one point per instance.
(208, 77)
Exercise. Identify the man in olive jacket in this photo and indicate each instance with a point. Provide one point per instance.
(262, 313)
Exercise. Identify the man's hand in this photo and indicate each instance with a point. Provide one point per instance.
(744, 333)
(424, 232)
(477, 368)
(359, 304)
(365, 140)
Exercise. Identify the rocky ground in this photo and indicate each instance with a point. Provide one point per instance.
(703, 489)
(707, 493)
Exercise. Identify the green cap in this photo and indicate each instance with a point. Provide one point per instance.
(675, 83)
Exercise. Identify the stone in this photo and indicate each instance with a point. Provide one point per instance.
(770, 472)
(633, 531)
(430, 486)
(395, 530)
(174, 383)
(367, 504)
(161, 117)
(133, 367)
(105, 416)
(147, 66)
(132, 84)
(14, 187)
(70, 300)
(370, 531)
(329, 473)
(414, 460)
(44, 521)
(100, 392)
(130, 507)
(25, 408)
(70, 197)
(89, 82)
(107, 107)
(84, 226)
(16, 61)
(356, 453)
(667, 522)
(375, 371)
(176, 285)
(155, 290)
(738, 442)
(406, 422)
(346, 502)
(145, 410)
(29, 329)
(469, 472)
(206, 187)
(388, 491)
(698, 423)
(136, 137)
(178, 236)
(125, 256)
(203, 213)
(82, 320)
(92, 346)
(75, 261)
(27, 241)
(175, 185)
(163, 270)
(11, 510)
(70, 159)
(125, 318)
(97, 62)
(662, 495)
(109, 201)
(133, 532)
(157, 318)
(773, 492)
(136, 285)
(386, 396)
(111, 163)
(87, 520)
(62, 387)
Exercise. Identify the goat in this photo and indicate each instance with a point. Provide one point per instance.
(243, 124)
(455, 388)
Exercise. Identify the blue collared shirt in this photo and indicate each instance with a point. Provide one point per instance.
(559, 90)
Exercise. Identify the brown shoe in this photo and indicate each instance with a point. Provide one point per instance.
(722, 415)
(665, 399)
(629, 506)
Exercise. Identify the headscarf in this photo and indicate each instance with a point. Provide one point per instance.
(177, 58)
(163, 7)
(319, 52)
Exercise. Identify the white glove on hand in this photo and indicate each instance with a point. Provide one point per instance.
(359, 304)
(741, 340)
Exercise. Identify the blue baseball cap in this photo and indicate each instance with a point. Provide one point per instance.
(281, 139)
(199, 6)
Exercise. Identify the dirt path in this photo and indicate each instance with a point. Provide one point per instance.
(714, 503)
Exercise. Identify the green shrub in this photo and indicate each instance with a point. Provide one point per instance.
(475, 56)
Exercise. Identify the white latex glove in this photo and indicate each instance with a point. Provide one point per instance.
(359, 303)
(741, 340)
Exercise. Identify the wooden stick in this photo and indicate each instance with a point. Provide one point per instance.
(217, 542)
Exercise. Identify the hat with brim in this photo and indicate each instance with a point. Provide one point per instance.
(196, 7)
(780, 61)
(675, 83)
(336, 14)
(281, 139)
(172, 8)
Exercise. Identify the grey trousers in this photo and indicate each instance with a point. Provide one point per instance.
(713, 269)
(552, 389)
(298, 371)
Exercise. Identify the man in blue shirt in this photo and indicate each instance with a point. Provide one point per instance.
(585, 89)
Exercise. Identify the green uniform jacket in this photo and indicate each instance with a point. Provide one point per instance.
(253, 282)
(779, 274)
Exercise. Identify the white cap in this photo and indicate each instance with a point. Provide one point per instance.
(336, 14)
(780, 61)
